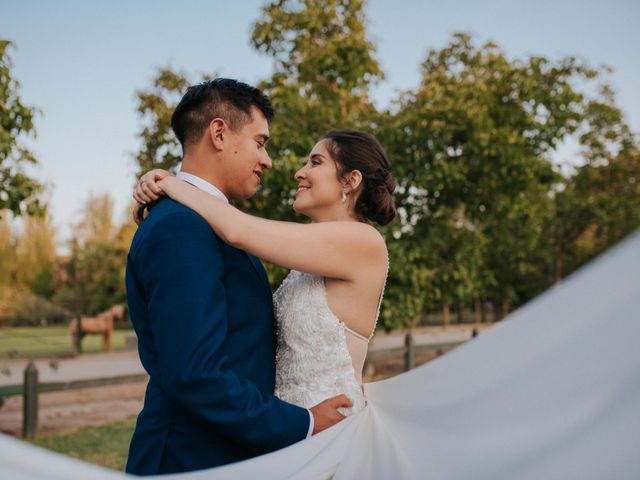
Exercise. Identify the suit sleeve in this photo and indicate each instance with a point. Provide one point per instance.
(182, 271)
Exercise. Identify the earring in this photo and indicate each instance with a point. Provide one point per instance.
(344, 196)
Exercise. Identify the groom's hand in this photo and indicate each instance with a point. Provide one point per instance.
(326, 413)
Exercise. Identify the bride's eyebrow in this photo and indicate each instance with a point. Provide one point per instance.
(315, 156)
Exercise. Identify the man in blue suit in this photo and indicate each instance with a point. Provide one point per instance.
(203, 310)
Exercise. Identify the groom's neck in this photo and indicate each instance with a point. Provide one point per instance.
(205, 174)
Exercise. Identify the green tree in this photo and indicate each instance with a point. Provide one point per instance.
(18, 192)
(95, 270)
(7, 251)
(599, 205)
(160, 148)
(36, 254)
(472, 143)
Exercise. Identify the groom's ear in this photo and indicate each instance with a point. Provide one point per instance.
(217, 130)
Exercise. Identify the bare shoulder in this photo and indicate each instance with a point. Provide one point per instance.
(367, 238)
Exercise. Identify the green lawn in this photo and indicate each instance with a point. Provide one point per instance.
(107, 445)
(50, 341)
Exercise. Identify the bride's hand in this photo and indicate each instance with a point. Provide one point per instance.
(147, 191)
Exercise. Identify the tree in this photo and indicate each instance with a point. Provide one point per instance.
(160, 148)
(324, 66)
(95, 269)
(35, 255)
(7, 251)
(18, 192)
(473, 142)
(598, 206)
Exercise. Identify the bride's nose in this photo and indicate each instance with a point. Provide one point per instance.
(300, 174)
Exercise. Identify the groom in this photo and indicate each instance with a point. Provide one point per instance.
(202, 310)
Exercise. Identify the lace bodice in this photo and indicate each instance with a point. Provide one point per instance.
(313, 359)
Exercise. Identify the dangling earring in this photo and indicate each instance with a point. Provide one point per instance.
(344, 196)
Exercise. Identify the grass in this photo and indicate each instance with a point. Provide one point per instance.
(50, 341)
(107, 445)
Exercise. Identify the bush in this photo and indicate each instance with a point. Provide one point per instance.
(21, 307)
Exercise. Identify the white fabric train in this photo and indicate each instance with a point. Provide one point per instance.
(553, 393)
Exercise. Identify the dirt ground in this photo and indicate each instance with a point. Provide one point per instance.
(69, 410)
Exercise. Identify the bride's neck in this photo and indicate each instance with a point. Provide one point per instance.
(339, 216)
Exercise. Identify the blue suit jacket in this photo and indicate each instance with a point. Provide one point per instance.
(203, 314)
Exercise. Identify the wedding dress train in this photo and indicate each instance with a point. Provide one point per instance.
(553, 392)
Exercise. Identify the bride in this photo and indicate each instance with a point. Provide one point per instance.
(328, 305)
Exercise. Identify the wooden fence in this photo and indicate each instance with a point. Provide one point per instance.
(31, 388)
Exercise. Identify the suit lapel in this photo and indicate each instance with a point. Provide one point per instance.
(260, 271)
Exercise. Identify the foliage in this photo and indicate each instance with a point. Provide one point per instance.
(7, 251)
(160, 148)
(599, 206)
(20, 306)
(18, 192)
(471, 146)
(94, 273)
(35, 255)
(27, 255)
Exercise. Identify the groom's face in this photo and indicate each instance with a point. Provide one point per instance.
(246, 156)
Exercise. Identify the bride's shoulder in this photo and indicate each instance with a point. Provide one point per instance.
(367, 238)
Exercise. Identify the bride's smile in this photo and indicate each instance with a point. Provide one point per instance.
(320, 174)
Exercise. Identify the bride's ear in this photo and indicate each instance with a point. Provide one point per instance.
(354, 180)
(217, 130)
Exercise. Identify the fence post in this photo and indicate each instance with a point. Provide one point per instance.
(30, 401)
(410, 352)
(80, 335)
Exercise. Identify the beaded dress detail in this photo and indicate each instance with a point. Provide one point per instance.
(313, 359)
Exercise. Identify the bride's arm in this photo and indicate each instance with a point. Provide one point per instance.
(329, 249)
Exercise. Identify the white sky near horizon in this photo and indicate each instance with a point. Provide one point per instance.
(81, 63)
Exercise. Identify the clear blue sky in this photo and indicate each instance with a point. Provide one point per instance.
(81, 62)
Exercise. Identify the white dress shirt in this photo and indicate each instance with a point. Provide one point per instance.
(202, 185)
(213, 190)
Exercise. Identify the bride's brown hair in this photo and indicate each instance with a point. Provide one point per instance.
(356, 150)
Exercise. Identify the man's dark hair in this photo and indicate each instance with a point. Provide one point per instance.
(223, 98)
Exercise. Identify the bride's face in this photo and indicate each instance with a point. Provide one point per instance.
(319, 190)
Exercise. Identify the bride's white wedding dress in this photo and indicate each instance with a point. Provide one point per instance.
(553, 392)
(318, 356)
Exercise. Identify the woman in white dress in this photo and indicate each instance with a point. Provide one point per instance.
(327, 307)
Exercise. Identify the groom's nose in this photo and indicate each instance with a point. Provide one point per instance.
(265, 161)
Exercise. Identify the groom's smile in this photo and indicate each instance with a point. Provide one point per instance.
(248, 157)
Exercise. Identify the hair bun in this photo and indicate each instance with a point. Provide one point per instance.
(382, 208)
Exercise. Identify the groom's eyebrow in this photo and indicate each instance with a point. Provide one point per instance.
(263, 137)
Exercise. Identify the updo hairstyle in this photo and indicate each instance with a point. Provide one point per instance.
(355, 150)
